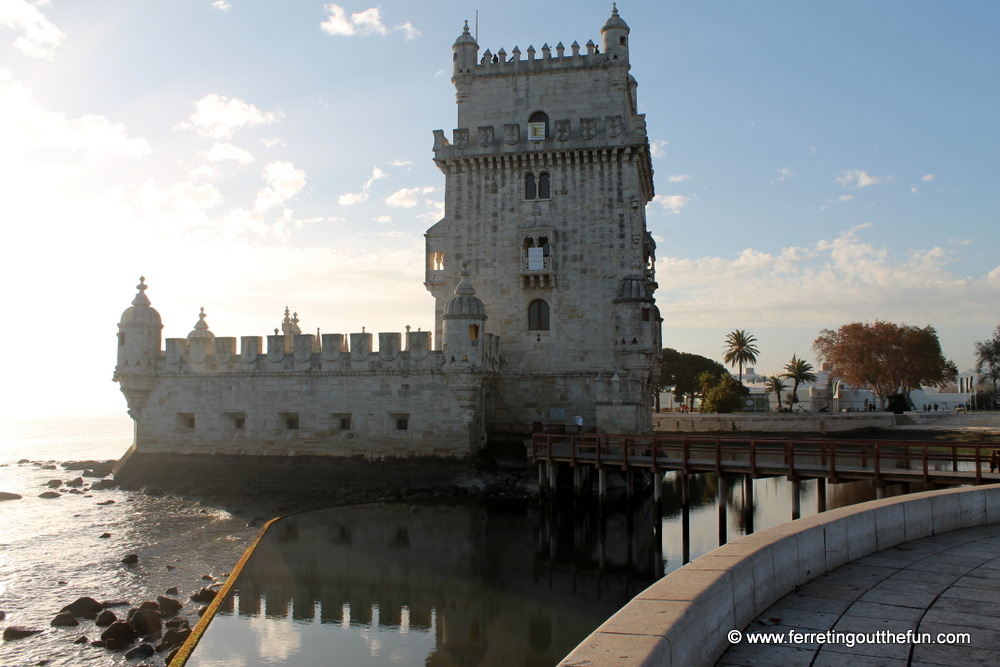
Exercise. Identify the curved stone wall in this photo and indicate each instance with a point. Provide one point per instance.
(683, 619)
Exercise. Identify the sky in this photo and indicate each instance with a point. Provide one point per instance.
(815, 164)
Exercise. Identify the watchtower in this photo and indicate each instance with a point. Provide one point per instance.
(547, 178)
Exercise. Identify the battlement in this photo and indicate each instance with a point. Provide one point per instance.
(330, 353)
(498, 64)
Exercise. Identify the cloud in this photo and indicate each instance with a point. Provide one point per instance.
(351, 198)
(367, 22)
(785, 174)
(843, 199)
(271, 143)
(955, 241)
(928, 177)
(832, 282)
(40, 37)
(26, 128)
(672, 203)
(914, 189)
(857, 178)
(284, 181)
(183, 206)
(407, 197)
(401, 163)
(221, 152)
(383, 219)
(658, 148)
(221, 4)
(677, 178)
(218, 117)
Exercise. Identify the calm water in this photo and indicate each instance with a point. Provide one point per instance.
(471, 584)
(504, 583)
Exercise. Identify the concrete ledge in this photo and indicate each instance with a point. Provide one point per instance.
(771, 423)
(683, 619)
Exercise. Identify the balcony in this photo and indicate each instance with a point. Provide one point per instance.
(535, 273)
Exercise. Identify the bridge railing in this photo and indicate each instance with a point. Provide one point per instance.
(828, 458)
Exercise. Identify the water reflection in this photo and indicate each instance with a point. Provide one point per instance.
(502, 583)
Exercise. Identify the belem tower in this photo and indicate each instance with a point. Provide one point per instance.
(542, 273)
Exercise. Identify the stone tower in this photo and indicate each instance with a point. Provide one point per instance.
(547, 178)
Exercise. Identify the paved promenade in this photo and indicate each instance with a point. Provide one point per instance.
(946, 583)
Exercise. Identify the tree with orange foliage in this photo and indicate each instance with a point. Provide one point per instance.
(885, 358)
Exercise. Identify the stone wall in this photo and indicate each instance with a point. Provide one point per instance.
(771, 423)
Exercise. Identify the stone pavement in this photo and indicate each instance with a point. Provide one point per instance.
(947, 583)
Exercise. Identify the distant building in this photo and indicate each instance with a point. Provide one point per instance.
(547, 178)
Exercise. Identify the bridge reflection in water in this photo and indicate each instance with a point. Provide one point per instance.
(474, 584)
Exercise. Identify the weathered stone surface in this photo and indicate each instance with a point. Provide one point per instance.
(168, 606)
(76, 482)
(178, 622)
(85, 607)
(204, 595)
(12, 632)
(146, 622)
(105, 618)
(140, 651)
(64, 619)
(173, 637)
(118, 635)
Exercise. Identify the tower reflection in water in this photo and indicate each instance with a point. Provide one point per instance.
(476, 584)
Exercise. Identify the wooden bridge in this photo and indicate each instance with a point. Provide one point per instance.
(832, 460)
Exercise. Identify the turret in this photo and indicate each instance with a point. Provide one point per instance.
(139, 333)
(463, 319)
(464, 56)
(201, 341)
(615, 36)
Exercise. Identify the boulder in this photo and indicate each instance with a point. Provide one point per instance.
(82, 639)
(118, 635)
(145, 622)
(173, 637)
(178, 622)
(104, 536)
(170, 656)
(140, 651)
(24, 461)
(12, 632)
(116, 603)
(50, 494)
(84, 608)
(103, 484)
(151, 490)
(3, 615)
(170, 591)
(149, 604)
(76, 482)
(168, 606)
(54, 483)
(4, 495)
(131, 559)
(47, 466)
(105, 618)
(204, 595)
(64, 619)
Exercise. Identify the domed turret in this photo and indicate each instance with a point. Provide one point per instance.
(201, 328)
(466, 52)
(615, 36)
(463, 319)
(139, 331)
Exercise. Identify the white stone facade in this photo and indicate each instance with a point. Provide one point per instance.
(591, 351)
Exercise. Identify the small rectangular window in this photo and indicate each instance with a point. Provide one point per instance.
(289, 420)
(473, 332)
(185, 421)
(340, 421)
(645, 314)
(121, 340)
(237, 420)
(402, 424)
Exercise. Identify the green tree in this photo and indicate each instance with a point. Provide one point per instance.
(988, 358)
(679, 373)
(721, 392)
(740, 350)
(798, 371)
(885, 358)
(775, 385)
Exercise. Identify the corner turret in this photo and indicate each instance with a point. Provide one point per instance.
(464, 57)
(615, 36)
(138, 332)
(463, 318)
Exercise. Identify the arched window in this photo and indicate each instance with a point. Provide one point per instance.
(543, 241)
(538, 316)
(543, 185)
(530, 191)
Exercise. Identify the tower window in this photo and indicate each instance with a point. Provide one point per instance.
(622, 41)
(538, 126)
(543, 185)
(538, 316)
(530, 189)
(473, 332)
(436, 261)
(537, 187)
(289, 420)
(645, 314)
(121, 340)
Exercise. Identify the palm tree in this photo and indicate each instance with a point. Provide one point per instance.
(775, 385)
(797, 370)
(740, 350)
